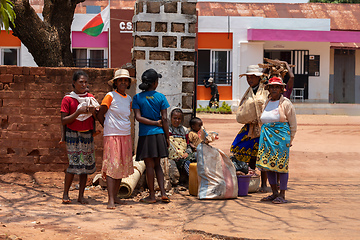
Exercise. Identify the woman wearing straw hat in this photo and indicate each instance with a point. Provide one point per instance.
(245, 146)
(114, 115)
(277, 134)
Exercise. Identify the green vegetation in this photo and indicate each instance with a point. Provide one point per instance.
(224, 108)
(335, 1)
(7, 14)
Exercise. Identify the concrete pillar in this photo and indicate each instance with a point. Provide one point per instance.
(164, 39)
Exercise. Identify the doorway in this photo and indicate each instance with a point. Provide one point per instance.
(297, 58)
(344, 76)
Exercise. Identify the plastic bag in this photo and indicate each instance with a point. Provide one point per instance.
(239, 165)
(216, 174)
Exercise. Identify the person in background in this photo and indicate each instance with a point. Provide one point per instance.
(78, 112)
(114, 116)
(214, 101)
(150, 108)
(277, 134)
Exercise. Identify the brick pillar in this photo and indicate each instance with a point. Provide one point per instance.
(164, 39)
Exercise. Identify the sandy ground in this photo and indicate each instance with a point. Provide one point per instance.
(323, 197)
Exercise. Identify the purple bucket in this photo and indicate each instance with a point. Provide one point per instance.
(243, 184)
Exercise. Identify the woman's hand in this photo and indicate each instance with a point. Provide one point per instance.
(91, 109)
(83, 109)
(159, 123)
(185, 155)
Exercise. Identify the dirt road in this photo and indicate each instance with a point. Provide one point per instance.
(324, 195)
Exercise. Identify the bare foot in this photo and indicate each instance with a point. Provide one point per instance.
(148, 200)
(82, 201)
(263, 190)
(111, 206)
(119, 201)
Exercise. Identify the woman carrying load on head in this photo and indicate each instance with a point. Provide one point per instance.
(277, 134)
(245, 146)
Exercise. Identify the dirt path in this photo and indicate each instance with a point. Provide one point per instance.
(323, 197)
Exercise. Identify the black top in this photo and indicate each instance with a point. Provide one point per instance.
(213, 88)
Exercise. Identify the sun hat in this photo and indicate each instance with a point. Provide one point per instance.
(120, 73)
(211, 80)
(252, 70)
(274, 81)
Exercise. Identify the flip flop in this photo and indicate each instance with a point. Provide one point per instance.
(165, 199)
(268, 198)
(66, 201)
(279, 200)
(149, 201)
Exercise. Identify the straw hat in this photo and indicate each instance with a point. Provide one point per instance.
(211, 80)
(252, 70)
(121, 73)
(274, 81)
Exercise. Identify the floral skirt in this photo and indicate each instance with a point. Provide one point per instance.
(243, 147)
(117, 157)
(80, 151)
(274, 146)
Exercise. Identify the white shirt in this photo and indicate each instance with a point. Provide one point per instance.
(117, 118)
(271, 112)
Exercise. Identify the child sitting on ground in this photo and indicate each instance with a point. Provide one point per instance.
(195, 134)
(179, 149)
(198, 134)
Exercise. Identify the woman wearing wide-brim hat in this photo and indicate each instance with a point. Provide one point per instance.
(277, 134)
(245, 145)
(114, 115)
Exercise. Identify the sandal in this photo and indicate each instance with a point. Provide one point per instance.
(165, 199)
(279, 200)
(147, 200)
(66, 201)
(268, 198)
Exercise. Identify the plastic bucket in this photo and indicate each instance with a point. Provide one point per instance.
(243, 184)
(254, 184)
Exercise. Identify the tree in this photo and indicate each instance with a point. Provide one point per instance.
(7, 14)
(47, 40)
(336, 1)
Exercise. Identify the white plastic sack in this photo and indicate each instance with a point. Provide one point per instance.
(216, 174)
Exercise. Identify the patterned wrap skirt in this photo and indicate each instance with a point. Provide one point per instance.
(117, 157)
(152, 146)
(274, 146)
(243, 147)
(80, 151)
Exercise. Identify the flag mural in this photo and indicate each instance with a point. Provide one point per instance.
(98, 24)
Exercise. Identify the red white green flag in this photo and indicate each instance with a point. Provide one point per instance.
(98, 24)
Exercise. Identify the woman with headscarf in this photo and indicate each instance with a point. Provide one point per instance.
(277, 134)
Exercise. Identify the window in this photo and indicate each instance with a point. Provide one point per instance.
(9, 56)
(85, 57)
(215, 64)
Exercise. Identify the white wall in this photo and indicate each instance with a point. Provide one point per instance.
(26, 59)
(248, 53)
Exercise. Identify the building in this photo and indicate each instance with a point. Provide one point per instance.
(321, 39)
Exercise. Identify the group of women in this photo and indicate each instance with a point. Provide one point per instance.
(264, 141)
(269, 128)
(79, 110)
